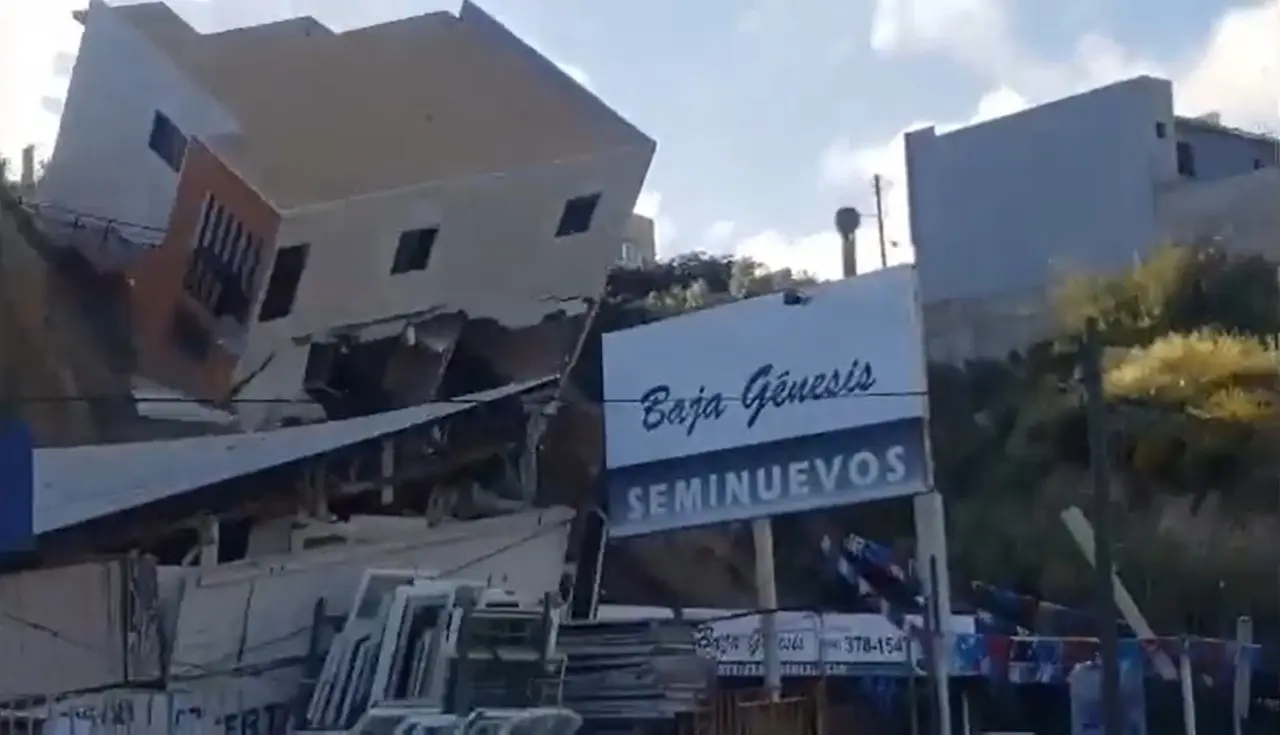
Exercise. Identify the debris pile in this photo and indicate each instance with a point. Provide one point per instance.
(633, 669)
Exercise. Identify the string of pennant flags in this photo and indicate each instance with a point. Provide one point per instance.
(1005, 646)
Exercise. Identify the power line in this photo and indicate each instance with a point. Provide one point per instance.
(449, 401)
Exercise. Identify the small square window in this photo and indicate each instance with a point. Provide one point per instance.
(1257, 164)
(1161, 130)
(577, 215)
(414, 251)
(167, 141)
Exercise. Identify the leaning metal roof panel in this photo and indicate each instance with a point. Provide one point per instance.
(77, 484)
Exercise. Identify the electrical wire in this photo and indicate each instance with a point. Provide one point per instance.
(210, 671)
(23, 400)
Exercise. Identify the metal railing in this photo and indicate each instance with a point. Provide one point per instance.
(108, 243)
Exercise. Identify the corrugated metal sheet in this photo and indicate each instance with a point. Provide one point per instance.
(77, 484)
(258, 613)
(77, 627)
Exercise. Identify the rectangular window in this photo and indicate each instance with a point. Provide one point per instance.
(282, 287)
(1186, 160)
(215, 272)
(1161, 130)
(577, 215)
(414, 250)
(167, 141)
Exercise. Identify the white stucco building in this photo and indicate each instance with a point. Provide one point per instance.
(1087, 183)
(309, 187)
(639, 244)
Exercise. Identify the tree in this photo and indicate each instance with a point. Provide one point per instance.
(1193, 384)
(688, 282)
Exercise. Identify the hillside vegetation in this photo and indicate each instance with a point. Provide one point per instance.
(1193, 380)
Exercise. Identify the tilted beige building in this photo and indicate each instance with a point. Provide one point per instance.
(307, 188)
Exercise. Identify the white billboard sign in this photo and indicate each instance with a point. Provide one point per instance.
(777, 404)
(814, 644)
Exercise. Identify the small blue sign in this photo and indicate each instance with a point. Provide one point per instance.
(17, 474)
(788, 476)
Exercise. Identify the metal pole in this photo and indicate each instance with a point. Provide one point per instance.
(937, 659)
(1104, 600)
(876, 182)
(1241, 693)
(912, 697)
(767, 592)
(1188, 691)
(849, 255)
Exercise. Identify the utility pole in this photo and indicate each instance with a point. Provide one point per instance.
(767, 599)
(1104, 565)
(877, 185)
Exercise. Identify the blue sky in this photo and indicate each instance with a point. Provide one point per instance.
(770, 113)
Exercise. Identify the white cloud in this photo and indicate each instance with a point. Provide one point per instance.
(975, 29)
(817, 254)
(32, 33)
(575, 73)
(1236, 73)
(718, 233)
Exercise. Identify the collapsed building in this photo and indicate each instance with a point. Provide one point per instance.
(284, 289)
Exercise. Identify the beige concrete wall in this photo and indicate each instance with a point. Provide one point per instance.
(64, 629)
(639, 242)
(1240, 214)
(496, 256)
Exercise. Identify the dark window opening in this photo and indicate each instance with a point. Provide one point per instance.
(1161, 130)
(167, 141)
(190, 336)
(1186, 160)
(577, 215)
(214, 283)
(347, 379)
(414, 251)
(220, 270)
(282, 288)
(1257, 164)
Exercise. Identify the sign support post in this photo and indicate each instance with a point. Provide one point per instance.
(767, 601)
(932, 563)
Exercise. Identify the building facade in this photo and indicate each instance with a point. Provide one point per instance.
(311, 190)
(639, 246)
(1085, 184)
